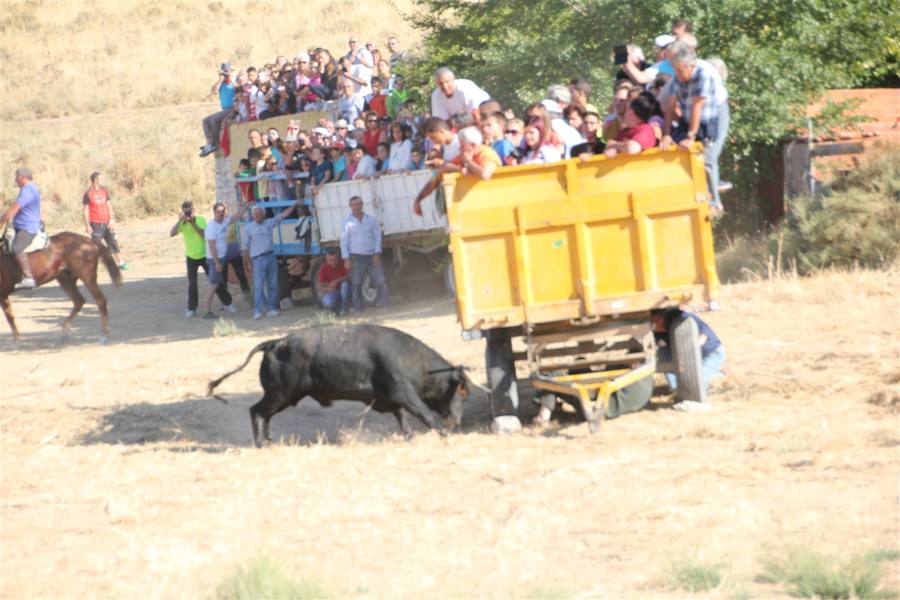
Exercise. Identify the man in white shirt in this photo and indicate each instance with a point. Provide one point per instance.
(361, 251)
(439, 133)
(218, 253)
(454, 95)
(367, 167)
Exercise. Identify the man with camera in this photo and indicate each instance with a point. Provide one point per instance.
(212, 124)
(192, 228)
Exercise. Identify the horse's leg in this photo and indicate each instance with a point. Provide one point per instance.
(69, 284)
(100, 299)
(8, 311)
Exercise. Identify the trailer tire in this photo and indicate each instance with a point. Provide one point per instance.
(314, 279)
(687, 360)
(501, 373)
(449, 277)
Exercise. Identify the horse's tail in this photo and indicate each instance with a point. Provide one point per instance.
(114, 272)
(215, 383)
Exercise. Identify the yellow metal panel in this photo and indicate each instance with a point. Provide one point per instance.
(674, 249)
(614, 272)
(544, 243)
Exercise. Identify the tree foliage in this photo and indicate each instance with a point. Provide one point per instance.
(781, 54)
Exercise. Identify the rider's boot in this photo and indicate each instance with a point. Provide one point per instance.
(27, 278)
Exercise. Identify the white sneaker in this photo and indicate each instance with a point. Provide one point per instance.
(189, 314)
(273, 313)
(257, 316)
(693, 406)
(26, 284)
(207, 150)
(231, 308)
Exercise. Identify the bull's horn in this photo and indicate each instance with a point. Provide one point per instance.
(480, 387)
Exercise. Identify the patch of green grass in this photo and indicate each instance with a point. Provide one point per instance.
(810, 574)
(549, 592)
(884, 554)
(226, 328)
(695, 577)
(265, 577)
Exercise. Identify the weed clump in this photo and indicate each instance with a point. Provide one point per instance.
(810, 574)
(265, 577)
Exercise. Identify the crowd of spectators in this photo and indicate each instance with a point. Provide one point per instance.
(676, 99)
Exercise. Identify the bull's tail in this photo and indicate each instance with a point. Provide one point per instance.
(215, 383)
(114, 272)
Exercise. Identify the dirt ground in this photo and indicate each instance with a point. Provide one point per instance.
(121, 479)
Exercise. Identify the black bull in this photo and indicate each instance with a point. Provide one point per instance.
(386, 368)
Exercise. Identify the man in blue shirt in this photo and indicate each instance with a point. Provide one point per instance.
(361, 251)
(259, 247)
(25, 214)
(212, 125)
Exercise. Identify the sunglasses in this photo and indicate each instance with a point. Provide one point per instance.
(511, 131)
(371, 120)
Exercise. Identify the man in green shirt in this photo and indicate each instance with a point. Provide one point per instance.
(191, 227)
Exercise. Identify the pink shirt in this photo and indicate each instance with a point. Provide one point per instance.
(642, 134)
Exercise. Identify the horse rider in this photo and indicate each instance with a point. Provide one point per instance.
(25, 214)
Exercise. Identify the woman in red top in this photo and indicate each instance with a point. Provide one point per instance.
(373, 135)
(638, 134)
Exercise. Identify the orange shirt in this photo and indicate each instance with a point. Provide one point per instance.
(98, 203)
(484, 155)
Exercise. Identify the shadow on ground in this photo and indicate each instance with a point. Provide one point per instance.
(215, 426)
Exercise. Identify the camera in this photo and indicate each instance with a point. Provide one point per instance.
(620, 54)
(188, 212)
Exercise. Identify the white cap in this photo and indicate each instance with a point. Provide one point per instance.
(663, 40)
(552, 106)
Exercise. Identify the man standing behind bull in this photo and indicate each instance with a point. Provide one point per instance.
(259, 247)
(361, 251)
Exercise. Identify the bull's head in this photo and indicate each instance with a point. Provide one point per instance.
(458, 390)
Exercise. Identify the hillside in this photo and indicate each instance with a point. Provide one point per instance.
(121, 87)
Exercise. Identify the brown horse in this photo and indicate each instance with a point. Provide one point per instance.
(68, 258)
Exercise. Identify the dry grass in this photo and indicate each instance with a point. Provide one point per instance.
(83, 56)
(131, 80)
(126, 481)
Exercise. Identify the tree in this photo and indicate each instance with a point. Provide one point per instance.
(781, 54)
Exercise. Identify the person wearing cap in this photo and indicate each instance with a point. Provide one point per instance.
(454, 95)
(662, 64)
(191, 227)
(212, 124)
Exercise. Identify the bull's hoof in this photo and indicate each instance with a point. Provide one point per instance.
(506, 424)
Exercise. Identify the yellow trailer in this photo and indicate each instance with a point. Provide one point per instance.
(574, 257)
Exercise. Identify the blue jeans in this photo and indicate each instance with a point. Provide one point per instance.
(337, 300)
(265, 275)
(711, 366)
(712, 150)
(360, 264)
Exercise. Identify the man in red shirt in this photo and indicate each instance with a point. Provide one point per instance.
(638, 134)
(99, 217)
(333, 283)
